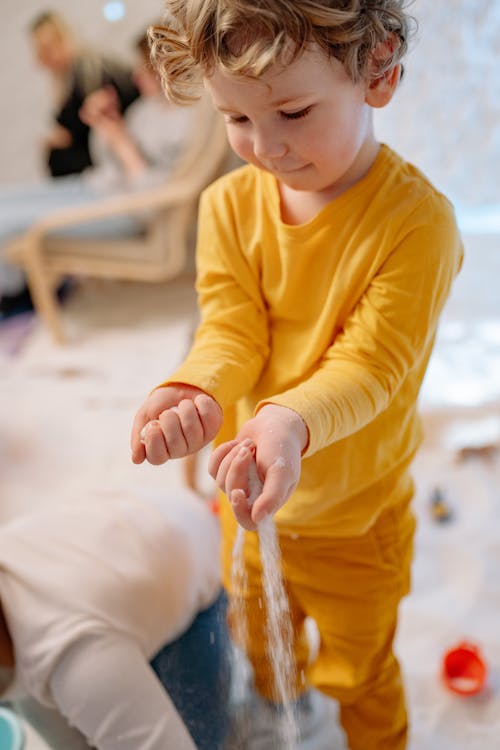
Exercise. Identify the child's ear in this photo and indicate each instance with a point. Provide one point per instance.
(380, 90)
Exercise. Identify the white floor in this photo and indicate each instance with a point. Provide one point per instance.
(64, 427)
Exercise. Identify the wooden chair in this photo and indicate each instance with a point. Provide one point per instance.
(157, 255)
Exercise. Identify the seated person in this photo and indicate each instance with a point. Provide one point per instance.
(89, 593)
(132, 152)
(76, 71)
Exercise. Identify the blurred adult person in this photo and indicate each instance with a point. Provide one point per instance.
(130, 151)
(76, 70)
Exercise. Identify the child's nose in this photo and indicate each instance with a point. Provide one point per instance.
(268, 145)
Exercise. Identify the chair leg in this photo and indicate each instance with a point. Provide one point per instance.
(43, 294)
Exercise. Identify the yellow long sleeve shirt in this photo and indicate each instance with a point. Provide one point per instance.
(334, 318)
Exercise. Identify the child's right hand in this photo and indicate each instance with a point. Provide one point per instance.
(101, 103)
(173, 422)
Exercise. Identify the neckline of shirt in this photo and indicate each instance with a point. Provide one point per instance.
(336, 205)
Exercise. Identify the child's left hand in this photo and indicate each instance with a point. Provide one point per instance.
(275, 437)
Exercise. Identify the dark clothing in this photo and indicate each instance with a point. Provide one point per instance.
(195, 671)
(76, 157)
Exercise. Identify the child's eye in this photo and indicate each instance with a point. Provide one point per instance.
(238, 119)
(296, 115)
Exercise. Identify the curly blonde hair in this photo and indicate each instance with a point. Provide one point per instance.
(246, 37)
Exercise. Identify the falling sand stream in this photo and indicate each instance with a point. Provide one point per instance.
(279, 632)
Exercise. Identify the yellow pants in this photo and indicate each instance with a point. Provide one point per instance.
(351, 587)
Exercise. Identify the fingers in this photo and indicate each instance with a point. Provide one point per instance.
(242, 510)
(244, 486)
(172, 429)
(210, 415)
(219, 453)
(176, 431)
(148, 412)
(225, 455)
(136, 444)
(242, 474)
(232, 465)
(155, 447)
(278, 486)
(191, 425)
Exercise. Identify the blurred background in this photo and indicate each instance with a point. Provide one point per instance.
(25, 90)
(446, 119)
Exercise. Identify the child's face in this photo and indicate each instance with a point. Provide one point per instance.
(307, 123)
(146, 79)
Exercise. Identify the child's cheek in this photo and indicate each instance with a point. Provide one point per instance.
(241, 144)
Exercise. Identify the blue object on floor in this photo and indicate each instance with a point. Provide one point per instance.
(11, 731)
(195, 670)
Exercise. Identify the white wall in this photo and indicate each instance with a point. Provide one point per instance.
(446, 115)
(25, 90)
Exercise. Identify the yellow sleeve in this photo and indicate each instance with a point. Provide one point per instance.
(390, 331)
(231, 344)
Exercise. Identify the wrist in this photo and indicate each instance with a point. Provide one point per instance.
(292, 421)
(185, 391)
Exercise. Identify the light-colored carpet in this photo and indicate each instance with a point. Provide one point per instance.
(64, 428)
(66, 411)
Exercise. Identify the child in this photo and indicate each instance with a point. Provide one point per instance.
(89, 592)
(323, 267)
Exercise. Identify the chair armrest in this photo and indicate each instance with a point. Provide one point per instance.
(134, 203)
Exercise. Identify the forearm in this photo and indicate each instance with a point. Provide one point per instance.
(335, 402)
(130, 158)
(104, 686)
(51, 725)
(224, 367)
(232, 342)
